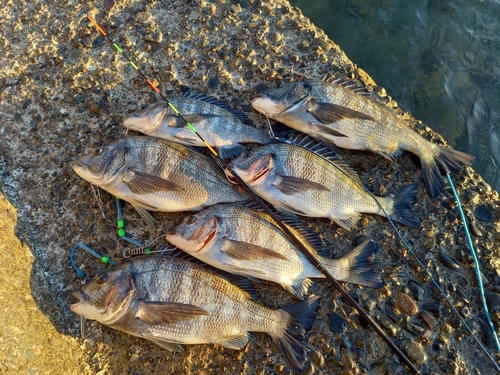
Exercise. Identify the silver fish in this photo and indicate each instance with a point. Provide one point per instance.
(297, 180)
(246, 242)
(172, 301)
(157, 175)
(335, 114)
(213, 120)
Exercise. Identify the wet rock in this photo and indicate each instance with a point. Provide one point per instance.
(337, 323)
(414, 351)
(447, 261)
(493, 301)
(109, 4)
(417, 290)
(484, 214)
(406, 304)
(446, 365)
(390, 329)
(155, 37)
(428, 318)
(318, 358)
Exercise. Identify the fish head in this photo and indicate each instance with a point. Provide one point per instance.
(196, 233)
(147, 120)
(102, 163)
(105, 298)
(273, 102)
(254, 166)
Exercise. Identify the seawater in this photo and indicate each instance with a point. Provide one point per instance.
(439, 59)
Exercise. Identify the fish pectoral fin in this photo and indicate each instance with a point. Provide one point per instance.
(231, 151)
(327, 113)
(235, 342)
(143, 183)
(157, 312)
(165, 344)
(285, 207)
(348, 223)
(194, 118)
(290, 185)
(147, 217)
(246, 251)
(185, 139)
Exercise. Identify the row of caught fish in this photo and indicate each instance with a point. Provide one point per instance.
(172, 301)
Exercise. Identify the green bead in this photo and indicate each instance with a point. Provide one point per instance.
(105, 260)
(147, 251)
(121, 232)
(120, 223)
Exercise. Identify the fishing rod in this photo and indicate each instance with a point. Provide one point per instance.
(312, 258)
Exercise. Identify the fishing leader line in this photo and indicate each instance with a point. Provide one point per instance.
(405, 243)
(227, 169)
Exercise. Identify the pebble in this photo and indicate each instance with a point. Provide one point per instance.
(109, 4)
(406, 304)
(447, 261)
(484, 214)
(417, 290)
(493, 301)
(428, 318)
(213, 83)
(273, 37)
(337, 323)
(309, 369)
(413, 351)
(155, 37)
(318, 357)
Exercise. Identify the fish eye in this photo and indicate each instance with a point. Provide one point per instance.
(102, 278)
(191, 219)
(97, 151)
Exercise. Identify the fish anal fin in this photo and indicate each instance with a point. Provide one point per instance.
(157, 312)
(143, 183)
(245, 251)
(235, 342)
(290, 185)
(300, 288)
(327, 113)
(165, 344)
(147, 217)
(347, 223)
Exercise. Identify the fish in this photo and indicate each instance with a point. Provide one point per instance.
(236, 238)
(171, 301)
(339, 115)
(295, 179)
(212, 119)
(157, 175)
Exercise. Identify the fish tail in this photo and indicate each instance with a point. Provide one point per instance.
(443, 159)
(292, 339)
(358, 266)
(402, 203)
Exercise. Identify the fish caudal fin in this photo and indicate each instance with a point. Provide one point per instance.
(444, 159)
(359, 267)
(292, 341)
(402, 203)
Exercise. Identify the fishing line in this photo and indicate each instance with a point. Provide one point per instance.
(282, 226)
(411, 251)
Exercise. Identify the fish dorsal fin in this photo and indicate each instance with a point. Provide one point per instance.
(144, 183)
(211, 100)
(350, 85)
(241, 250)
(325, 152)
(159, 312)
(241, 282)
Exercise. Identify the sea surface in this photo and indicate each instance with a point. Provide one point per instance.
(439, 59)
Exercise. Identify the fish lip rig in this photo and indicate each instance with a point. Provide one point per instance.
(233, 177)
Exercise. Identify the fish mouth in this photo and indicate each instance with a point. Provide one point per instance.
(81, 297)
(81, 163)
(209, 239)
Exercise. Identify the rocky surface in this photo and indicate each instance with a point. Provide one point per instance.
(64, 90)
